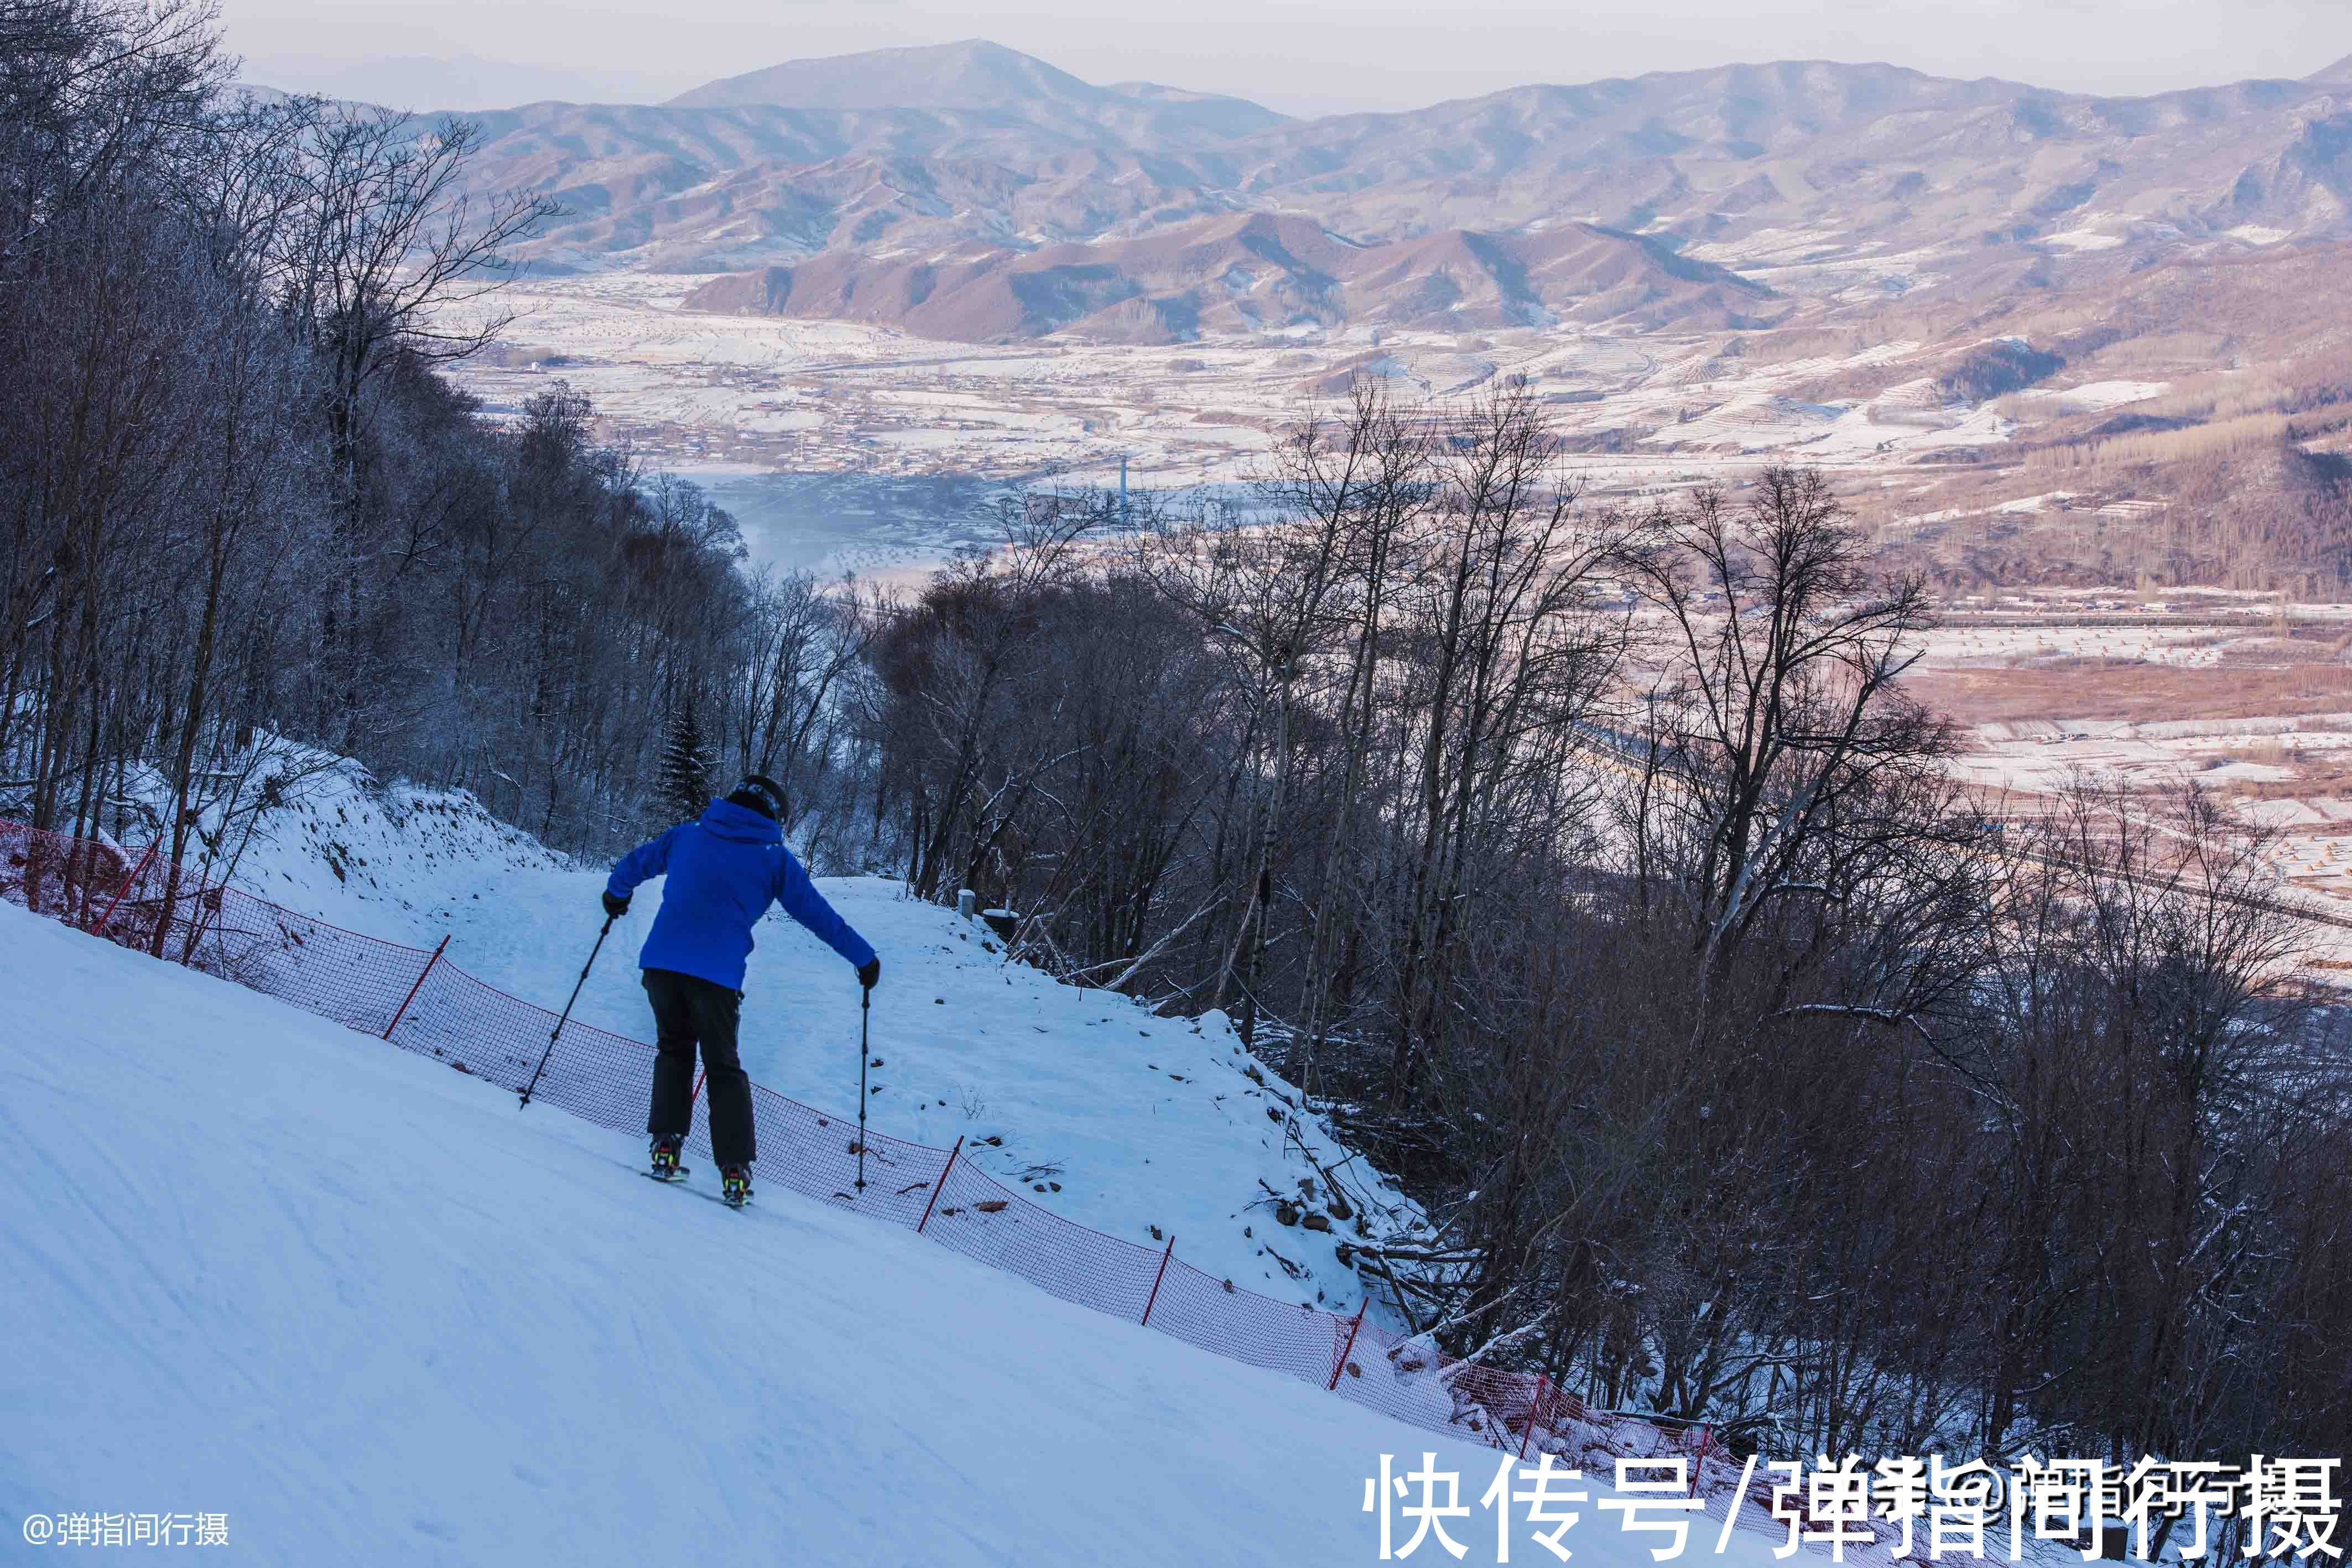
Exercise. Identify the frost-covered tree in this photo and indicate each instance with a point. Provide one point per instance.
(684, 780)
(240, 507)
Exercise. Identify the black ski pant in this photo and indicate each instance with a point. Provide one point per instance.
(689, 1010)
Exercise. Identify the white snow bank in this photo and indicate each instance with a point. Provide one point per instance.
(2097, 397)
(343, 848)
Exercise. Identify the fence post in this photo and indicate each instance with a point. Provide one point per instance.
(1154, 1297)
(1340, 1365)
(1543, 1392)
(402, 1011)
(938, 1187)
(1705, 1435)
(128, 883)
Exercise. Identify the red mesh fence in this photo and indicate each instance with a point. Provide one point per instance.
(988, 1222)
(417, 1000)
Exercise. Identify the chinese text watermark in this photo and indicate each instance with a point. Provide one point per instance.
(127, 1529)
(1930, 1507)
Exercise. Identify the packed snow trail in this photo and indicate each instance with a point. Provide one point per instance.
(1130, 1123)
(265, 1267)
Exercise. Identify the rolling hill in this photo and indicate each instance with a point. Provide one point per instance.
(1250, 273)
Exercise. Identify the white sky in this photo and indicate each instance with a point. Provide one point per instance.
(1298, 56)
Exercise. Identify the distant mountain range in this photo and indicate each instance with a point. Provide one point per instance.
(971, 191)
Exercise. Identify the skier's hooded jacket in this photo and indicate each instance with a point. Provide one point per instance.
(724, 871)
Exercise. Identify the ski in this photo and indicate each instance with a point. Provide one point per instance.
(679, 1179)
(663, 1160)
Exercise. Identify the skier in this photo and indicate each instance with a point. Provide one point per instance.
(723, 872)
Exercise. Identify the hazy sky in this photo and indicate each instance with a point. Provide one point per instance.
(1292, 54)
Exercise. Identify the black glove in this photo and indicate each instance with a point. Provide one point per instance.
(869, 975)
(614, 904)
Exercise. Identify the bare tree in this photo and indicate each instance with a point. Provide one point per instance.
(1508, 648)
(1776, 729)
(95, 96)
(1268, 594)
(956, 665)
(391, 248)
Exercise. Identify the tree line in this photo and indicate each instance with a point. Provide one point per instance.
(249, 528)
(1594, 871)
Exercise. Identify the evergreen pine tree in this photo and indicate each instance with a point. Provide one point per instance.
(684, 780)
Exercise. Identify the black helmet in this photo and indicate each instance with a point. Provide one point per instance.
(763, 795)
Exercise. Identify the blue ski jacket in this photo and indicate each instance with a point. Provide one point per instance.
(724, 871)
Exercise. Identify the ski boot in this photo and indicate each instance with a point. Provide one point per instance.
(665, 1159)
(735, 1186)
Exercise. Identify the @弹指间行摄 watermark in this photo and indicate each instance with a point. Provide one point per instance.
(100, 1529)
(2269, 1508)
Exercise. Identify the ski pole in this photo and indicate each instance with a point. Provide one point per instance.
(865, 1054)
(567, 1011)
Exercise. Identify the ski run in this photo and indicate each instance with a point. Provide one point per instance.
(363, 1311)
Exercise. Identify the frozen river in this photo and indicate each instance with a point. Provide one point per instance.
(890, 528)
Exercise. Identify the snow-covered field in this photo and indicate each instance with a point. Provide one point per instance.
(2231, 692)
(2182, 647)
(2097, 397)
(719, 395)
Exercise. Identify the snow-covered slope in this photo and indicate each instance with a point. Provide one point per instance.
(1133, 1125)
(365, 856)
(262, 1267)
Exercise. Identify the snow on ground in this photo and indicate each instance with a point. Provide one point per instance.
(1142, 1121)
(2097, 397)
(2033, 767)
(2042, 755)
(2189, 647)
(2031, 505)
(343, 850)
(362, 1311)
(1761, 420)
(2085, 239)
(1755, 422)
(263, 1267)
